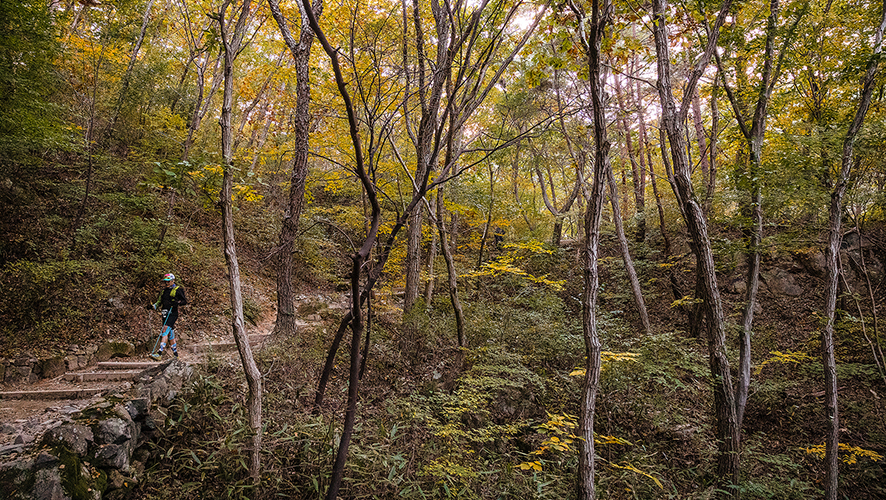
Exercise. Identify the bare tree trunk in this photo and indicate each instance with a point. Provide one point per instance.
(700, 137)
(626, 255)
(488, 225)
(832, 253)
(198, 114)
(132, 58)
(647, 146)
(358, 258)
(673, 121)
(754, 135)
(592, 44)
(231, 43)
(413, 260)
(432, 257)
(301, 54)
(450, 271)
(638, 174)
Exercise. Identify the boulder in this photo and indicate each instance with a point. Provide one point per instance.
(52, 367)
(114, 456)
(113, 431)
(782, 282)
(48, 485)
(112, 349)
(74, 437)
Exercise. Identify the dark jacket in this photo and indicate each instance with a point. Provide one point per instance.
(171, 297)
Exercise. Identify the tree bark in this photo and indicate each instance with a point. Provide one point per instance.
(673, 121)
(647, 146)
(132, 58)
(450, 271)
(301, 54)
(231, 44)
(638, 174)
(754, 135)
(432, 257)
(626, 255)
(592, 41)
(832, 414)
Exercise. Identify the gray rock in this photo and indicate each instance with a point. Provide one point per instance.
(72, 363)
(8, 429)
(73, 436)
(137, 409)
(110, 350)
(52, 367)
(48, 485)
(784, 283)
(23, 439)
(113, 431)
(45, 459)
(10, 449)
(114, 456)
(813, 261)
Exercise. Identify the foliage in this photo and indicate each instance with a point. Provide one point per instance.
(851, 454)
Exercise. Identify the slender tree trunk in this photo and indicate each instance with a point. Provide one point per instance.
(88, 139)
(593, 42)
(432, 257)
(199, 113)
(637, 173)
(231, 43)
(301, 53)
(700, 137)
(832, 414)
(626, 255)
(673, 121)
(488, 225)
(132, 58)
(450, 271)
(754, 135)
(647, 146)
(711, 180)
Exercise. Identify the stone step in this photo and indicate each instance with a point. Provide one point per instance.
(54, 393)
(126, 365)
(254, 340)
(100, 376)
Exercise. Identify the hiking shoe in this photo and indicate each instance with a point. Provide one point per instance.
(175, 353)
(160, 353)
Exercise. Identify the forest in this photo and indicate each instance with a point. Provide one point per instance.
(506, 248)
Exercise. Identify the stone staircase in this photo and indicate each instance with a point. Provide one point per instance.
(106, 375)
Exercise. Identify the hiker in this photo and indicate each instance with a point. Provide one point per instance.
(170, 298)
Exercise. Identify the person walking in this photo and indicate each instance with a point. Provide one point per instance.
(168, 303)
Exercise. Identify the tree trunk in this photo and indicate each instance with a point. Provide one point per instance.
(488, 227)
(450, 271)
(432, 257)
(626, 255)
(754, 135)
(703, 156)
(597, 72)
(413, 260)
(638, 174)
(711, 180)
(231, 43)
(832, 414)
(647, 146)
(132, 58)
(198, 114)
(673, 121)
(301, 54)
